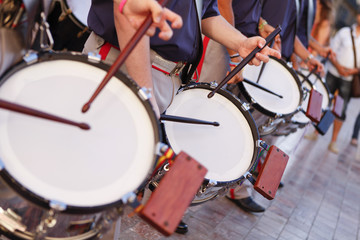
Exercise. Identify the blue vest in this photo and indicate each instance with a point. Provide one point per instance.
(184, 44)
(247, 14)
(304, 29)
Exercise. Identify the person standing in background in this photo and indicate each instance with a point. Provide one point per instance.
(341, 70)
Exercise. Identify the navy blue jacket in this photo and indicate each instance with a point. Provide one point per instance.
(184, 44)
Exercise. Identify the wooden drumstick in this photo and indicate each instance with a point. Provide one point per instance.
(122, 56)
(36, 113)
(172, 118)
(245, 61)
(262, 88)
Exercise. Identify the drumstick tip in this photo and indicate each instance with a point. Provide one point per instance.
(211, 94)
(86, 107)
(216, 124)
(84, 126)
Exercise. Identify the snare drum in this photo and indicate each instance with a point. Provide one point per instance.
(269, 110)
(62, 168)
(68, 24)
(228, 151)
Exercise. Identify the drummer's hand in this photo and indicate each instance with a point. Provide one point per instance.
(250, 44)
(314, 63)
(294, 62)
(238, 77)
(327, 52)
(137, 10)
(266, 30)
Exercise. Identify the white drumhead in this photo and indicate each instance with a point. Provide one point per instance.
(278, 79)
(319, 86)
(62, 162)
(80, 9)
(226, 151)
(300, 117)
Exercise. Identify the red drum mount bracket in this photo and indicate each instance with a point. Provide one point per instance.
(338, 105)
(169, 201)
(314, 111)
(271, 172)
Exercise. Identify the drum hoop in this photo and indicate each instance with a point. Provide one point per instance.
(238, 103)
(260, 108)
(78, 57)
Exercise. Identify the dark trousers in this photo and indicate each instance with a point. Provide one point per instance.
(356, 127)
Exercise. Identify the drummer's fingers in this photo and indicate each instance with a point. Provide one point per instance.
(237, 78)
(156, 11)
(259, 57)
(175, 19)
(271, 52)
(165, 31)
(151, 31)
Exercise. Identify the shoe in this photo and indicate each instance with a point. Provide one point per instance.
(354, 142)
(312, 136)
(247, 204)
(281, 185)
(182, 228)
(333, 148)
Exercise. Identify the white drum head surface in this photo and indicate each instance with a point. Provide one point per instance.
(318, 86)
(80, 9)
(64, 163)
(226, 151)
(278, 79)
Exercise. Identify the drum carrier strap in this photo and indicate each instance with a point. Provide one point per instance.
(189, 69)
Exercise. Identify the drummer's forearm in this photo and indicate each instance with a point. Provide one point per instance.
(138, 62)
(226, 10)
(218, 29)
(300, 49)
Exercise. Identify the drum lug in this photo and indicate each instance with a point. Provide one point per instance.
(144, 93)
(47, 221)
(94, 57)
(263, 144)
(206, 185)
(211, 183)
(249, 177)
(245, 106)
(11, 221)
(278, 115)
(129, 198)
(57, 206)
(31, 57)
(253, 101)
(289, 64)
(213, 84)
